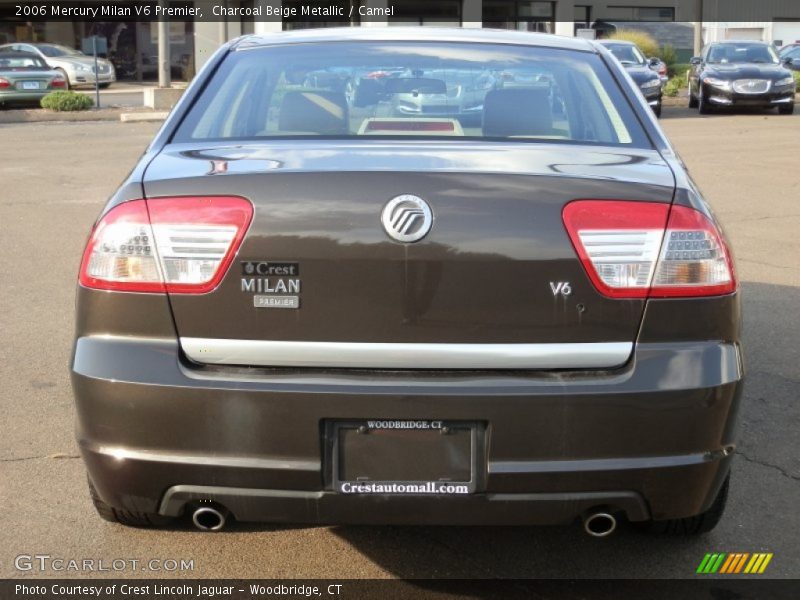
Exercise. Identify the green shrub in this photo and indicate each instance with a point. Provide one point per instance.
(675, 85)
(679, 70)
(797, 78)
(66, 101)
(645, 41)
(669, 56)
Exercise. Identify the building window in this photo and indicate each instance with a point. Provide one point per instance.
(639, 13)
(522, 15)
(583, 16)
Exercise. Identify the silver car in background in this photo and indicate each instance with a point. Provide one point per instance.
(436, 93)
(76, 67)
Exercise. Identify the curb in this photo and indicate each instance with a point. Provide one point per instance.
(40, 115)
(134, 117)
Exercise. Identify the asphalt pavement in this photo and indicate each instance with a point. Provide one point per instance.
(55, 178)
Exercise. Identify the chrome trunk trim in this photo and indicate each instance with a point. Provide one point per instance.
(406, 356)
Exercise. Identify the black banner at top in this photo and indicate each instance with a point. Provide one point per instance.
(408, 11)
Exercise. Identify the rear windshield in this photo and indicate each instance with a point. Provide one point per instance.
(410, 89)
(21, 62)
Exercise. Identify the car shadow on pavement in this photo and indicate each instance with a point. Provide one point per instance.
(511, 552)
(684, 112)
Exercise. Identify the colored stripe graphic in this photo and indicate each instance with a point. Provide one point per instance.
(715, 567)
(734, 563)
(728, 563)
(703, 563)
(764, 564)
(751, 564)
(741, 562)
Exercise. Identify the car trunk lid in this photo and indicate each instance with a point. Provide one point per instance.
(497, 272)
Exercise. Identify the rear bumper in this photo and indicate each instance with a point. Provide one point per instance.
(20, 96)
(653, 439)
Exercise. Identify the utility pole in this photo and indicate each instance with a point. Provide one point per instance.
(698, 27)
(164, 61)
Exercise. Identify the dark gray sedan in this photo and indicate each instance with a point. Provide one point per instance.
(300, 309)
(639, 68)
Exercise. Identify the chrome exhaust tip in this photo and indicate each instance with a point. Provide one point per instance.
(209, 518)
(599, 524)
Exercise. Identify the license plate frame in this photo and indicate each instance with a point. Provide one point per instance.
(30, 86)
(397, 438)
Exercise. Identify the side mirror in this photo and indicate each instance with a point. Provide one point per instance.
(654, 61)
(695, 60)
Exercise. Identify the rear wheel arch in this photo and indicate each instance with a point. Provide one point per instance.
(64, 74)
(696, 525)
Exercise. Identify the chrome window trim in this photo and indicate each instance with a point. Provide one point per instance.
(353, 355)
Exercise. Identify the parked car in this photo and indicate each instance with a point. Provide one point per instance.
(788, 48)
(791, 58)
(25, 78)
(457, 93)
(740, 73)
(660, 67)
(640, 69)
(77, 68)
(291, 311)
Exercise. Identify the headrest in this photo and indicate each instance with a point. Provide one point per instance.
(517, 112)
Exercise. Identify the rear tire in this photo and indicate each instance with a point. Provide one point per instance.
(657, 110)
(126, 517)
(702, 523)
(788, 109)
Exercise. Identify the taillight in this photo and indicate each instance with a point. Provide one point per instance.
(58, 82)
(641, 249)
(4, 83)
(177, 245)
(695, 260)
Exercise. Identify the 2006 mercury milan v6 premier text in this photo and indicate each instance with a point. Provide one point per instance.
(304, 305)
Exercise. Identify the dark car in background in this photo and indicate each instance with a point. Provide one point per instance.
(640, 69)
(26, 79)
(740, 74)
(790, 57)
(301, 309)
